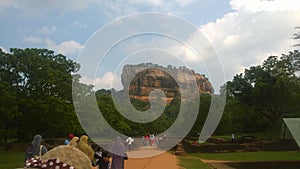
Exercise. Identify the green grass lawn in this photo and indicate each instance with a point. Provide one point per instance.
(192, 163)
(11, 160)
(251, 156)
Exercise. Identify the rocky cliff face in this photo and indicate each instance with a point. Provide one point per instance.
(141, 79)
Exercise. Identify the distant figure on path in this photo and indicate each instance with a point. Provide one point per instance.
(232, 137)
(152, 140)
(36, 149)
(129, 142)
(117, 153)
(147, 140)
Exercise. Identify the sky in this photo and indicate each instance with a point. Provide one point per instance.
(242, 33)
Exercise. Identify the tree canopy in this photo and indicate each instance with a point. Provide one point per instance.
(268, 91)
(36, 85)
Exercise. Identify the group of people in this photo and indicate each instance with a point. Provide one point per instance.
(99, 157)
(150, 140)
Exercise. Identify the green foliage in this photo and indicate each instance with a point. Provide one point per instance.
(192, 163)
(263, 95)
(36, 88)
(125, 126)
(9, 113)
(296, 36)
(110, 113)
(251, 156)
(205, 101)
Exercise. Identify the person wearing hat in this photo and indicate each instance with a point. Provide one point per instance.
(36, 149)
(71, 136)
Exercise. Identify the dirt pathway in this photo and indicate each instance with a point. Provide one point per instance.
(162, 161)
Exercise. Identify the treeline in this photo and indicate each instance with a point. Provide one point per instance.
(259, 99)
(36, 94)
(36, 97)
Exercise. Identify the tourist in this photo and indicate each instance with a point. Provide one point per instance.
(103, 159)
(36, 149)
(129, 142)
(152, 140)
(70, 137)
(232, 137)
(117, 153)
(74, 142)
(147, 140)
(85, 147)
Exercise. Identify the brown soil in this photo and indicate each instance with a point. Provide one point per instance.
(162, 160)
(144, 159)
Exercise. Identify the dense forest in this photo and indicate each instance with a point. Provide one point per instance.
(36, 97)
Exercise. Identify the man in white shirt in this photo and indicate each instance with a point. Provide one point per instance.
(129, 142)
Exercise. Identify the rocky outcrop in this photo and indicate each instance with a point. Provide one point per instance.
(141, 79)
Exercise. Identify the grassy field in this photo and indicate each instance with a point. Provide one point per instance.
(11, 160)
(251, 156)
(192, 163)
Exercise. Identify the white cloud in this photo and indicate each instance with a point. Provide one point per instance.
(67, 48)
(112, 9)
(78, 24)
(107, 81)
(183, 3)
(185, 53)
(32, 39)
(36, 7)
(5, 4)
(47, 30)
(160, 3)
(155, 2)
(265, 5)
(256, 30)
(4, 49)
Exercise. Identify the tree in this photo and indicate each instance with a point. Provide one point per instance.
(296, 35)
(8, 111)
(205, 102)
(266, 89)
(39, 85)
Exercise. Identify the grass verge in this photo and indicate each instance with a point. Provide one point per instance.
(192, 163)
(11, 160)
(251, 156)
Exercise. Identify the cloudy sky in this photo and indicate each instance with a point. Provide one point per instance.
(242, 32)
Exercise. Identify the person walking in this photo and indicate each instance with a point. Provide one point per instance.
(129, 142)
(117, 153)
(152, 140)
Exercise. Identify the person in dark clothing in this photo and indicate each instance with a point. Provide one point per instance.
(36, 149)
(103, 160)
(117, 152)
